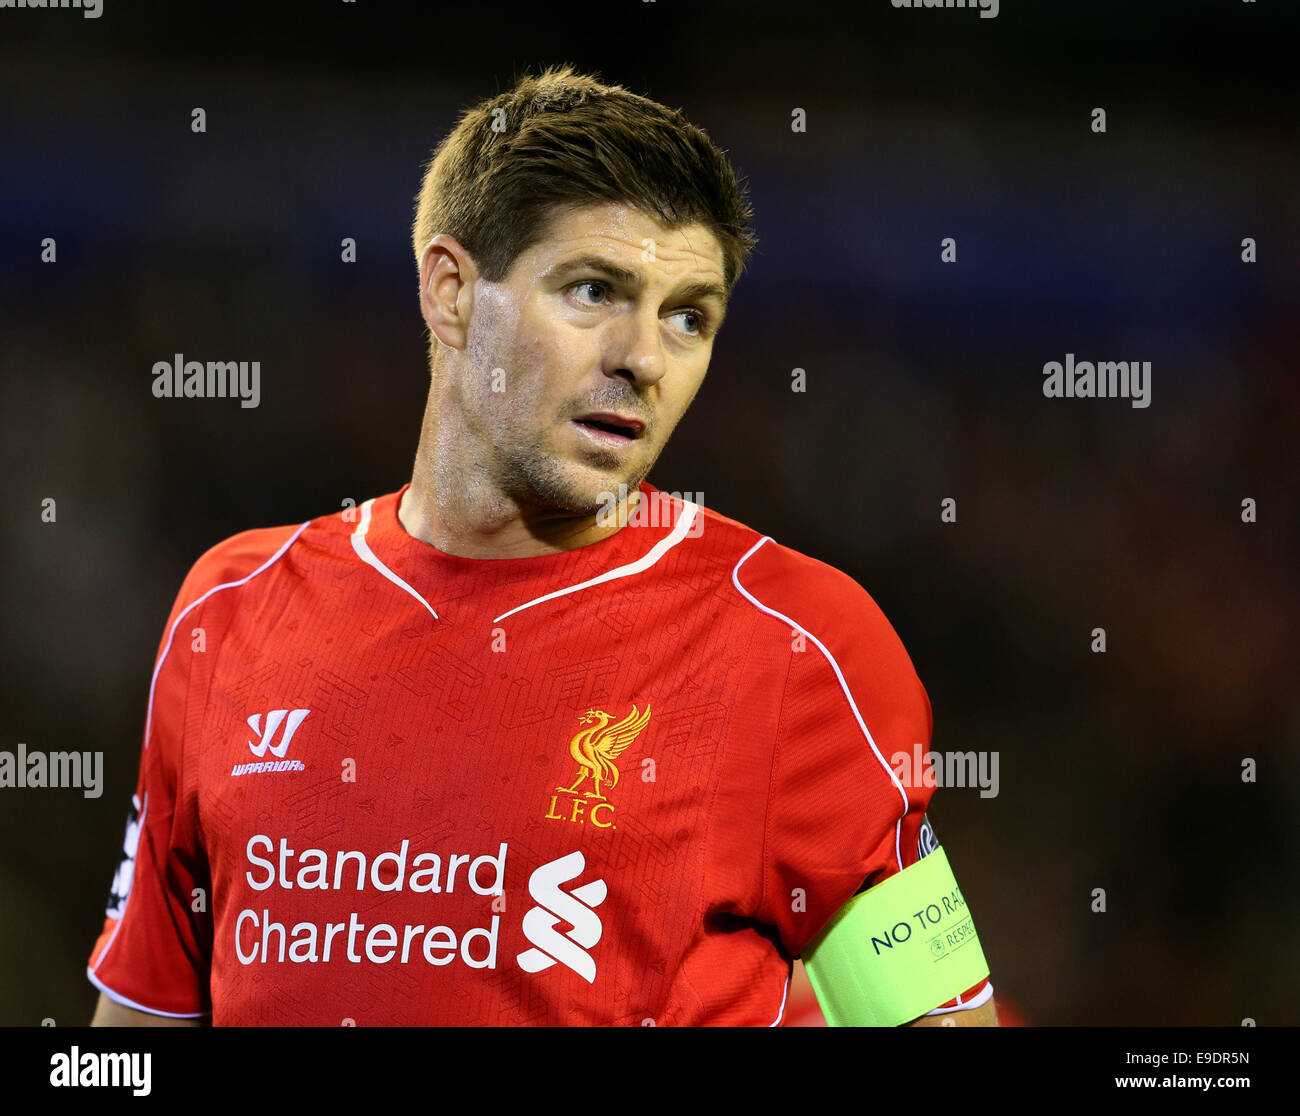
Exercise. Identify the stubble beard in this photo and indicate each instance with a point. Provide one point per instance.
(539, 479)
(527, 467)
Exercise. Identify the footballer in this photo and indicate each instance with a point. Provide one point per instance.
(530, 741)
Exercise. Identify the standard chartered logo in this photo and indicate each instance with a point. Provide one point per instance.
(307, 879)
(574, 907)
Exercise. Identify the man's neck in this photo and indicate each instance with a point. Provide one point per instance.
(493, 526)
(453, 505)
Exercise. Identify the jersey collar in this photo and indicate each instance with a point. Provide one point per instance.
(448, 585)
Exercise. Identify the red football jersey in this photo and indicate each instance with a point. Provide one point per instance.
(622, 784)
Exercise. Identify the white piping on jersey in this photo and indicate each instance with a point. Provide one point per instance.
(735, 579)
(974, 1002)
(683, 524)
(117, 997)
(652, 556)
(229, 584)
(784, 992)
(148, 727)
(366, 555)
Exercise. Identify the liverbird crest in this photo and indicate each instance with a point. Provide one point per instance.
(595, 748)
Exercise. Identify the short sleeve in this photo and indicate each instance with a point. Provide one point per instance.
(854, 717)
(154, 951)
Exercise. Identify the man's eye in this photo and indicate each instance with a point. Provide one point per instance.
(591, 283)
(699, 321)
(695, 330)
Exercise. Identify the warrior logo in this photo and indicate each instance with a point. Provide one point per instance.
(273, 721)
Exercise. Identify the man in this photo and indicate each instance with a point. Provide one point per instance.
(530, 741)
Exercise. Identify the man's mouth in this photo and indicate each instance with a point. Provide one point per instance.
(610, 428)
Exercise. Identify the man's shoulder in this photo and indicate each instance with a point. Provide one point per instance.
(240, 558)
(803, 594)
(772, 575)
(760, 557)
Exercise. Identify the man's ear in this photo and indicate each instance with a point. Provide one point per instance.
(447, 274)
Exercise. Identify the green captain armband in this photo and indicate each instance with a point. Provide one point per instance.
(897, 951)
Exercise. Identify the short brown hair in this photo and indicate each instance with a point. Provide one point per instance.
(565, 140)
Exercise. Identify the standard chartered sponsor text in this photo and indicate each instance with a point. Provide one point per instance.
(261, 939)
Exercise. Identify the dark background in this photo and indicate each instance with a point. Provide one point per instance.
(1119, 770)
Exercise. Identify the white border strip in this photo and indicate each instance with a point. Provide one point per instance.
(366, 555)
(642, 564)
(148, 729)
(784, 992)
(735, 579)
(148, 724)
(117, 997)
(976, 1001)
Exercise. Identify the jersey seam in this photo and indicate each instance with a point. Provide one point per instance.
(207, 695)
(212, 674)
(198, 816)
(771, 774)
(845, 691)
(702, 904)
(189, 682)
(199, 604)
(776, 742)
(198, 820)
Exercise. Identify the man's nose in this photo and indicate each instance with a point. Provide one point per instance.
(636, 348)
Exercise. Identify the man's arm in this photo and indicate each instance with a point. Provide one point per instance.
(109, 1013)
(986, 1015)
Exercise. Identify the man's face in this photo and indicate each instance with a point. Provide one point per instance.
(610, 318)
